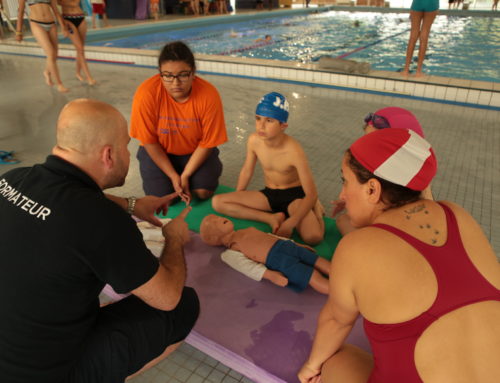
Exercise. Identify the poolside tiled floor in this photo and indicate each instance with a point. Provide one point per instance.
(325, 121)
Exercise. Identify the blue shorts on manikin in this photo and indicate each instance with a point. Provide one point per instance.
(294, 261)
(155, 182)
(425, 5)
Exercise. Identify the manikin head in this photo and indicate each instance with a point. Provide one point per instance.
(214, 229)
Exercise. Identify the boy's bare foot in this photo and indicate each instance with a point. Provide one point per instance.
(48, 79)
(91, 81)
(405, 73)
(419, 74)
(79, 77)
(276, 220)
(62, 89)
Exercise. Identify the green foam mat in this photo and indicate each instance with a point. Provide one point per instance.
(203, 208)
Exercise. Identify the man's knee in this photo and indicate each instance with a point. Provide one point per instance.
(186, 313)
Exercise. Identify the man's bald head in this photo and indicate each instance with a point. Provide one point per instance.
(85, 126)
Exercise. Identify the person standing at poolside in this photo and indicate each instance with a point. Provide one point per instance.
(77, 26)
(179, 120)
(43, 17)
(422, 15)
(99, 8)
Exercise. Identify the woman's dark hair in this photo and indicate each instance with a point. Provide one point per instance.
(177, 51)
(393, 195)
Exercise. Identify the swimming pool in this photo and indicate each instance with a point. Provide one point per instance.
(460, 47)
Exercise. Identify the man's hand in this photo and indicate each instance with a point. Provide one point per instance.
(178, 228)
(337, 207)
(147, 206)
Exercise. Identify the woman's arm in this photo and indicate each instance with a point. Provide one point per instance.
(337, 316)
(60, 20)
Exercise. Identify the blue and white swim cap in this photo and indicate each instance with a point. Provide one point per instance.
(273, 105)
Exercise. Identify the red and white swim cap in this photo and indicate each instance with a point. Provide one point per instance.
(399, 156)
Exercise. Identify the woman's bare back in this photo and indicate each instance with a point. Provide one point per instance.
(397, 284)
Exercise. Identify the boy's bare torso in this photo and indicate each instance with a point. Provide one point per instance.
(277, 161)
(254, 243)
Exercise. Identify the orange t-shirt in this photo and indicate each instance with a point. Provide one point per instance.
(179, 128)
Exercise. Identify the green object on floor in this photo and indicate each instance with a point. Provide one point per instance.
(202, 208)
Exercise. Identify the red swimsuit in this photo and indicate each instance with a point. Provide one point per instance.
(459, 284)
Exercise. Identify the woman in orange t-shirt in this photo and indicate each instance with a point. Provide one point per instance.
(179, 120)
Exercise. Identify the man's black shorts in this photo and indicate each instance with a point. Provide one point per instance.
(129, 334)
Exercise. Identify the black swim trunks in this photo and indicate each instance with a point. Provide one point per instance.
(76, 20)
(279, 199)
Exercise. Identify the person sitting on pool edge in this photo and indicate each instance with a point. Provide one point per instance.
(297, 264)
(389, 117)
(289, 200)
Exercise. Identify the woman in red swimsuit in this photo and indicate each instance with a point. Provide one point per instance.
(421, 273)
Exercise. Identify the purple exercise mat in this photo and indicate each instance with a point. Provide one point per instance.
(263, 331)
(270, 326)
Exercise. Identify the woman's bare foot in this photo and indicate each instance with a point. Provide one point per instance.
(48, 79)
(79, 77)
(419, 73)
(91, 81)
(276, 220)
(405, 73)
(62, 89)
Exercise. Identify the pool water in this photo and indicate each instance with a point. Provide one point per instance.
(460, 47)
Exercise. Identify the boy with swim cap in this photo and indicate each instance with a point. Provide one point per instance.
(262, 255)
(289, 200)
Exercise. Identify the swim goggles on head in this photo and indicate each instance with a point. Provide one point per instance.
(377, 121)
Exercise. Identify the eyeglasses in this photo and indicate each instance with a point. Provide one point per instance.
(377, 121)
(169, 77)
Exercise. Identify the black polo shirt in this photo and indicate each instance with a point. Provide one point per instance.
(61, 241)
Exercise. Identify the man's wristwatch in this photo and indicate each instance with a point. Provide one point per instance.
(131, 204)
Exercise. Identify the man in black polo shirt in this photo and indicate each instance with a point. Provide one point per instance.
(62, 239)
